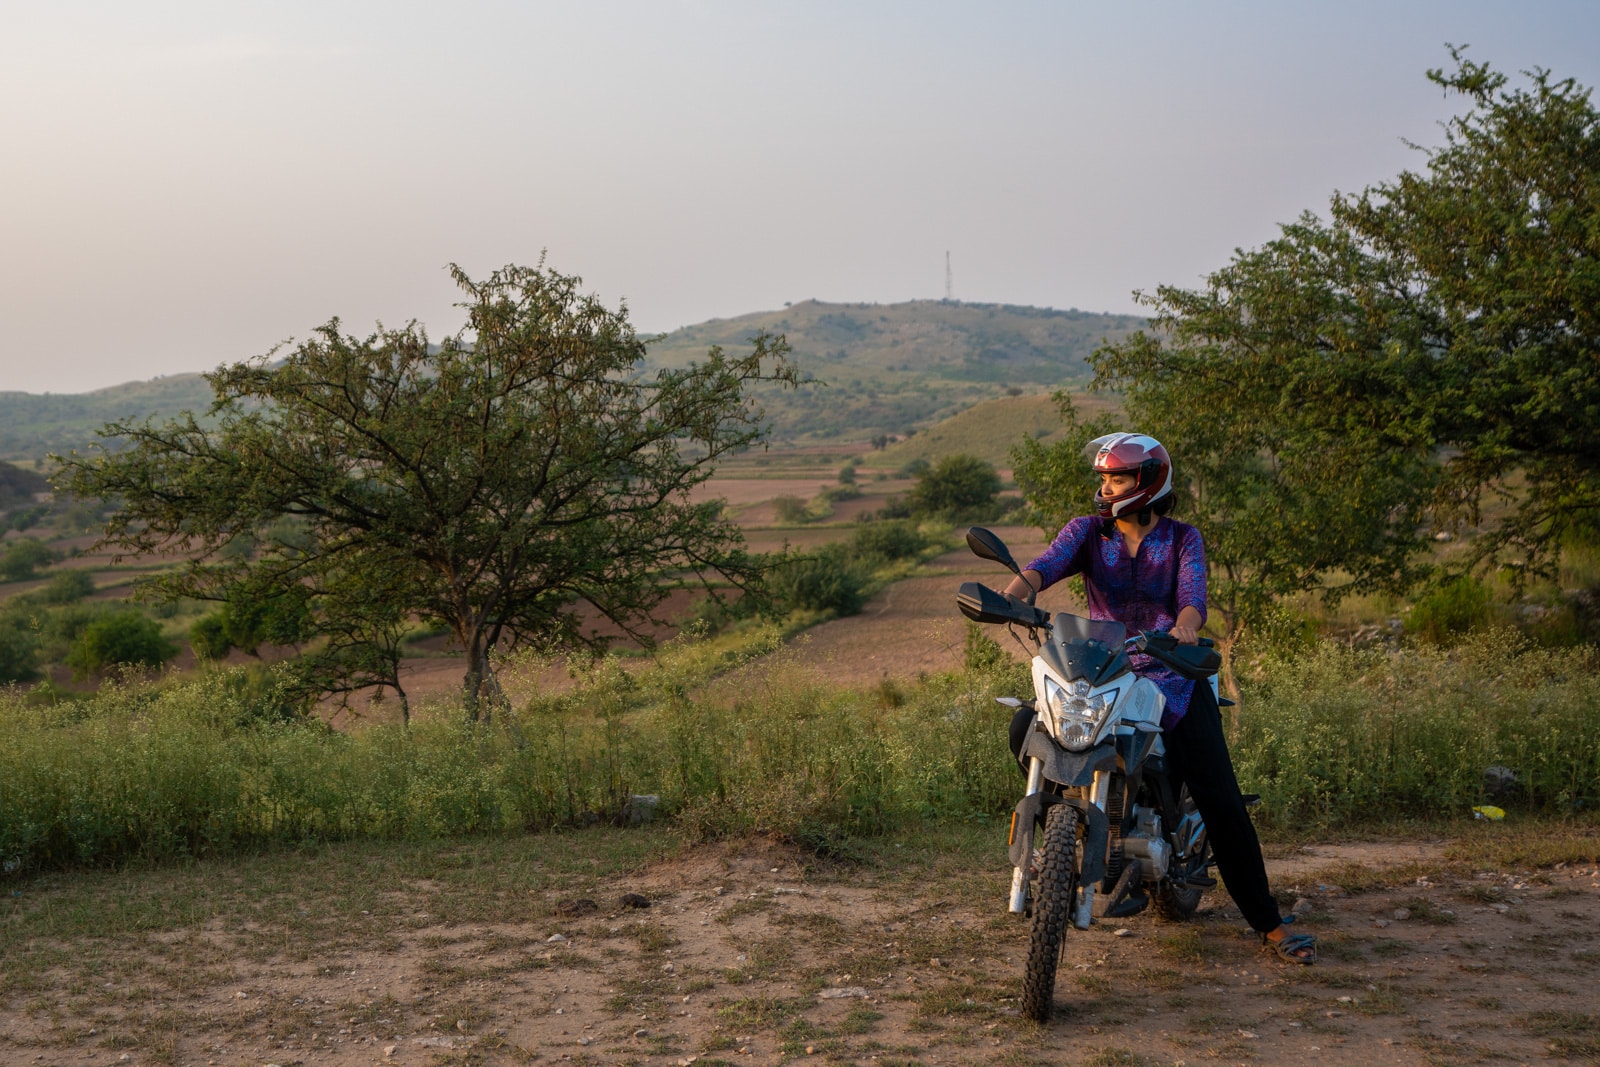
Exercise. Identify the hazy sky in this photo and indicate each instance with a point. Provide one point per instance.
(189, 183)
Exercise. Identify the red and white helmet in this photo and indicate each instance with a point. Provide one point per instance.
(1136, 454)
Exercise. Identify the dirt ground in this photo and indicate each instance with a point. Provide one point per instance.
(752, 953)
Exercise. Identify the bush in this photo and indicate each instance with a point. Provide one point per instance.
(23, 557)
(891, 540)
(208, 636)
(65, 587)
(122, 638)
(828, 580)
(956, 486)
(19, 650)
(1453, 609)
(789, 509)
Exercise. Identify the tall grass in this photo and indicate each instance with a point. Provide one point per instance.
(1337, 735)
(738, 739)
(194, 767)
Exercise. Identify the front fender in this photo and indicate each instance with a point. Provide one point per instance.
(1096, 834)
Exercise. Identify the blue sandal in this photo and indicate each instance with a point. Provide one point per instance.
(1296, 948)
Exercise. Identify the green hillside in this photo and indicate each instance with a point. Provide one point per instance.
(33, 425)
(880, 369)
(888, 368)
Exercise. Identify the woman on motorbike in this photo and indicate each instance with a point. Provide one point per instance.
(1148, 572)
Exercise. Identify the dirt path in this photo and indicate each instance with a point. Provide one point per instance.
(752, 954)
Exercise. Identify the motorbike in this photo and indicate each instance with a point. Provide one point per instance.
(1114, 838)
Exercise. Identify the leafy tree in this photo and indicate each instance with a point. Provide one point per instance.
(955, 485)
(122, 638)
(1435, 341)
(499, 481)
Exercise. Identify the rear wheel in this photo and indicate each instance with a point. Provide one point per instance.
(1052, 910)
(1176, 900)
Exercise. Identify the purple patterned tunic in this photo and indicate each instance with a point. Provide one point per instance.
(1143, 592)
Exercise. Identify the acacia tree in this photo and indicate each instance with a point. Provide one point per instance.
(495, 482)
(1437, 338)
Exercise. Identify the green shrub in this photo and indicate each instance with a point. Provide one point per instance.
(1455, 608)
(890, 540)
(21, 558)
(19, 650)
(826, 580)
(122, 638)
(956, 486)
(789, 509)
(208, 636)
(65, 587)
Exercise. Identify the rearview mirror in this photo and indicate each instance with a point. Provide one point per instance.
(985, 545)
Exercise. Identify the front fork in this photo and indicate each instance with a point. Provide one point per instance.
(1020, 875)
(1083, 909)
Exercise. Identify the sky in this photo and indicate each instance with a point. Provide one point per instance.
(186, 184)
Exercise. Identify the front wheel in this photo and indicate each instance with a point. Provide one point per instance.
(1052, 909)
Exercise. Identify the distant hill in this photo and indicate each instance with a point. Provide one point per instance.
(891, 367)
(883, 369)
(32, 425)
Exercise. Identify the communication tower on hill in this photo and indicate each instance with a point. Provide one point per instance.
(949, 282)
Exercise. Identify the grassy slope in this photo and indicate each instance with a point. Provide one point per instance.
(989, 429)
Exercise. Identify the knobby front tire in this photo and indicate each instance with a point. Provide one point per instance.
(1052, 910)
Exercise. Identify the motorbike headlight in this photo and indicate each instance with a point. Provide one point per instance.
(1074, 713)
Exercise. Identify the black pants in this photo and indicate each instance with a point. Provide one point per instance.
(1197, 756)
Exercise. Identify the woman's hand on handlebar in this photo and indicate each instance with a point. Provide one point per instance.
(1186, 628)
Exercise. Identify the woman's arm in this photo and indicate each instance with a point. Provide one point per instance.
(1029, 582)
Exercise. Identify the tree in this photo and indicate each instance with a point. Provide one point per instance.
(1328, 396)
(498, 481)
(955, 485)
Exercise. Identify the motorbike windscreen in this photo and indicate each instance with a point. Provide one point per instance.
(1068, 627)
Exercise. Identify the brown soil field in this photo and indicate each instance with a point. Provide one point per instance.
(913, 627)
(522, 951)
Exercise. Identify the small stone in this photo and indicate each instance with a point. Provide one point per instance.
(839, 993)
(1123, 931)
(1303, 907)
(389, 1051)
(461, 1024)
(583, 1040)
(555, 939)
(1380, 923)
(1402, 914)
(1501, 908)
(718, 890)
(1248, 1035)
(1347, 1000)
(811, 1050)
(774, 870)
(635, 900)
(641, 1032)
(667, 968)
